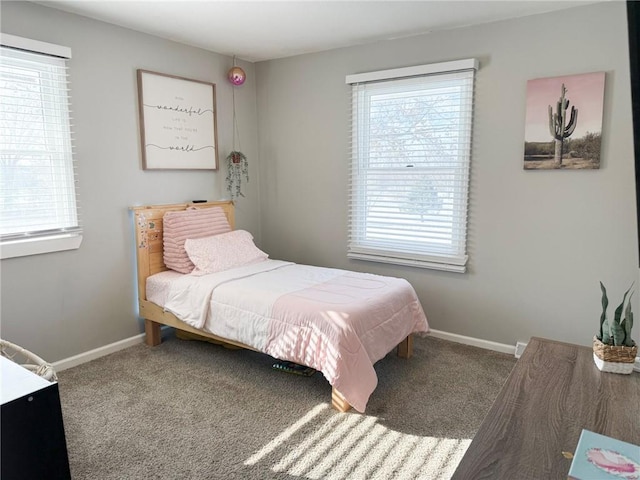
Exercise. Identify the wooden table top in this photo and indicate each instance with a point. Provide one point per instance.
(554, 391)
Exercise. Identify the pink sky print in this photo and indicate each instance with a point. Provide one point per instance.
(584, 91)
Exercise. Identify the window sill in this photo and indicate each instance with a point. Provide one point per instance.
(433, 265)
(36, 246)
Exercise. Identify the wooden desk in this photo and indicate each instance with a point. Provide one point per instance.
(554, 391)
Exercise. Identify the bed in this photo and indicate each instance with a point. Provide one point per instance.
(312, 316)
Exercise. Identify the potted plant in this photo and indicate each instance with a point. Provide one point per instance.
(237, 167)
(613, 348)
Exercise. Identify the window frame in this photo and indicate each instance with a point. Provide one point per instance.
(58, 239)
(362, 244)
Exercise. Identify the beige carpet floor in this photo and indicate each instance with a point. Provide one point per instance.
(193, 410)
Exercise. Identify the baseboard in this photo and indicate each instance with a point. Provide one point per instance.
(98, 352)
(476, 342)
(130, 342)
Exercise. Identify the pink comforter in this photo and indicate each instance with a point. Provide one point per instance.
(343, 326)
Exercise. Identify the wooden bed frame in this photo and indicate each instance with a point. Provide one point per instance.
(149, 259)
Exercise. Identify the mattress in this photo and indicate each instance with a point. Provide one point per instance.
(158, 286)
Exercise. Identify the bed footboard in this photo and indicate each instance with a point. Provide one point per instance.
(338, 402)
(405, 347)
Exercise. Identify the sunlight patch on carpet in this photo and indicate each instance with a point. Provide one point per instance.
(285, 435)
(352, 445)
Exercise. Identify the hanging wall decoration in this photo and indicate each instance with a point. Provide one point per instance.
(237, 76)
(237, 167)
(237, 164)
(564, 122)
(177, 122)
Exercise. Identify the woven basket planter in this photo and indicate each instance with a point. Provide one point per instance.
(614, 359)
(28, 360)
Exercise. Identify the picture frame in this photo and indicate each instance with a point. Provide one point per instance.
(178, 126)
(563, 124)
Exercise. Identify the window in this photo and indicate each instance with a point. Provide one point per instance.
(411, 146)
(38, 208)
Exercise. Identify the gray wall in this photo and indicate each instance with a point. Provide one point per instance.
(62, 304)
(539, 241)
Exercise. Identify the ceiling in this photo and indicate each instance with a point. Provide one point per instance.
(265, 30)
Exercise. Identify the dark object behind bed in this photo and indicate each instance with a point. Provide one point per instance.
(633, 21)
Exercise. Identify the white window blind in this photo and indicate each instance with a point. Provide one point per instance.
(410, 159)
(37, 184)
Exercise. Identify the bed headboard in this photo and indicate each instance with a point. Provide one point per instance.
(148, 230)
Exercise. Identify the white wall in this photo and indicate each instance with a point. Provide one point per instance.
(62, 304)
(539, 241)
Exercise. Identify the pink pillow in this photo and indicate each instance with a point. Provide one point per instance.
(222, 252)
(190, 223)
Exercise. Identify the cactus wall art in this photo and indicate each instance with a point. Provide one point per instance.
(558, 125)
(563, 125)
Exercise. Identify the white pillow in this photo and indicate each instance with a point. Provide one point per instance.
(223, 251)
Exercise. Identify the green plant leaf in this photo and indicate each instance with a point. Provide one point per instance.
(628, 324)
(603, 316)
(618, 312)
(617, 331)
